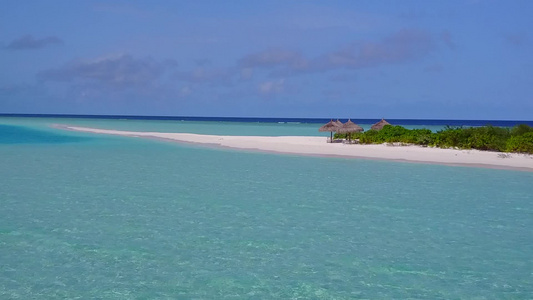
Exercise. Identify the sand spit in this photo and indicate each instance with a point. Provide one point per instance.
(317, 146)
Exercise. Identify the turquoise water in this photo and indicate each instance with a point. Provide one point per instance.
(199, 127)
(119, 218)
(10, 134)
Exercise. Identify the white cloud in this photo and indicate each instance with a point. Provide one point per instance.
(272, 87)
(28, 42)
(116, 70)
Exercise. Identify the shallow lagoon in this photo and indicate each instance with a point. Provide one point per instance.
(115, 217)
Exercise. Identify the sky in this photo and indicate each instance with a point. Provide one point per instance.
(410, 59)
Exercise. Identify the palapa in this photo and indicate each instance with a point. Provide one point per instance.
(331, 126)
(350, 127)
(379, 125)
(339, 123)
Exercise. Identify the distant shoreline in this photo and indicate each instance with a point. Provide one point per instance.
(317, 146)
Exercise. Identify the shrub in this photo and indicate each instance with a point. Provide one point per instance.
(517, 139)
(451, 137)
(370, 137)
(487, 138)
(423, 136)
(521, 129)
(481, 138)
(521, 143)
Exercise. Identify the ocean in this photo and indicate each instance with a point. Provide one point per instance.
(96, 216)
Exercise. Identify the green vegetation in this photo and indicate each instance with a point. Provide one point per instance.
(521, 143)
(501, 139)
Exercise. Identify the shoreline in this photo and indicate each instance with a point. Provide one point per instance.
(317, 146)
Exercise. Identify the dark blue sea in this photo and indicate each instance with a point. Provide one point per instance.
(416, 122)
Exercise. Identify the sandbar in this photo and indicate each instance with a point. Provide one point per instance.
(318, 146)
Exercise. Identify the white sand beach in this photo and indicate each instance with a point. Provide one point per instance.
(318, 146)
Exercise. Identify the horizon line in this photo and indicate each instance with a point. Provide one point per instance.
(233, 117)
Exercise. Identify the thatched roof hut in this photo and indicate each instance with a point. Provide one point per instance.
(338, 122)
(379, 125)
(331, 126)
(350, 127)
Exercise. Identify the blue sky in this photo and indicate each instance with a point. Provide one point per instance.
(463, 59)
